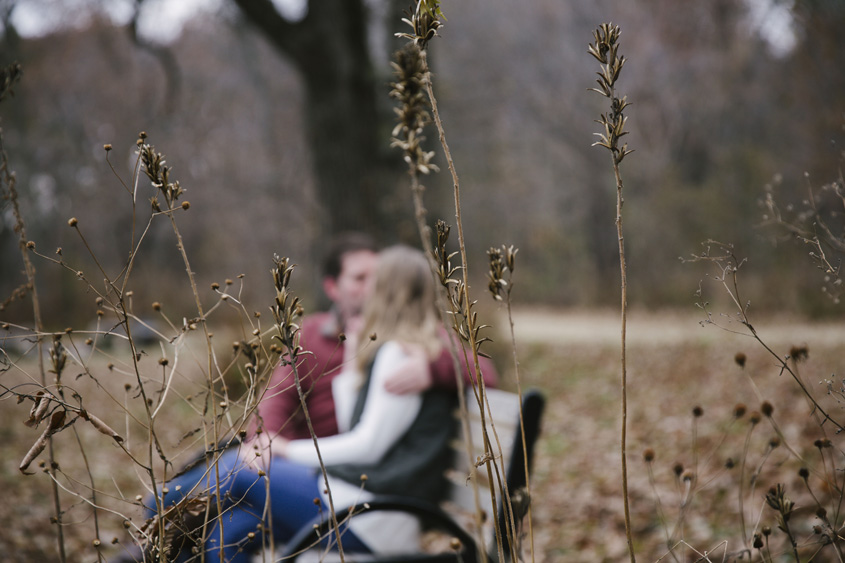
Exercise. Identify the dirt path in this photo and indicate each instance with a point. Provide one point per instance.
(663, 327)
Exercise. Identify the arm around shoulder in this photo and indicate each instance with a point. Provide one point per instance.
(443, 371)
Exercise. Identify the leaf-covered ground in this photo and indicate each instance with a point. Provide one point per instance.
(674, 366)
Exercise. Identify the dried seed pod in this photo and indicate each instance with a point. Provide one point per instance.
(39, 409)
(56, 422)
(101, 426)
(33, 452)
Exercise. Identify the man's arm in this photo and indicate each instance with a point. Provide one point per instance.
(415, 373)
(443, 370)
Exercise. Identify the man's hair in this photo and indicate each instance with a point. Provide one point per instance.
(343, 244)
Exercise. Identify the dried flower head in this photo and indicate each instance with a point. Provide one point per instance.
(501, 260)
(822, 443)
(740, 358)
(799, 353)
(739, 410)
(648, 455)
(697, 411)
(286, 309)
(767, 409)
(605, 50)
(424, 21)
(460, 309)
(411, 112)
(776, 498)
(159, 174)
(58, 357)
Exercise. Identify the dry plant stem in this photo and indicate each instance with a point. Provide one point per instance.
(9, 179)
(408, 135)
(742, 486)
(301, 394)
(660, 514)
(152, 438)
(605, 51)
(784, 365)
(521, 421)
(95, 506)
(481, 394)
(124, 315)
(425, 235)
(623, 330)
(215, 431)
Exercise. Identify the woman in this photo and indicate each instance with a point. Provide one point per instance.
(400, 442)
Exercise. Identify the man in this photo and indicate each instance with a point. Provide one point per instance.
(347, 272)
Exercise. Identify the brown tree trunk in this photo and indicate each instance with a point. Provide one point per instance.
(329, 48)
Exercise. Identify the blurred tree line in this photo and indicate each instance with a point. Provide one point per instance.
(278, 129)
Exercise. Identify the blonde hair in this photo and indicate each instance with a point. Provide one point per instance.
(402, 304)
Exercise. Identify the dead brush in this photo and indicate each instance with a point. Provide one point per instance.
(414, 93)
(605, 50)
(816, 221)
(794, 458)
(104, 379)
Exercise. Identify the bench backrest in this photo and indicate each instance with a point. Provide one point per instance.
(505, 420)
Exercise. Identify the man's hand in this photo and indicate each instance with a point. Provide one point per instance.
(258, 450)
(412, 375)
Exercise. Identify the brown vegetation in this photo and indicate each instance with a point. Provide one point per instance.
(738, 433)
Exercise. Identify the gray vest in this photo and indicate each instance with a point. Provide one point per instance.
(414, 466)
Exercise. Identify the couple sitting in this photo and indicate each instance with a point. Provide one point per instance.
(385, 413)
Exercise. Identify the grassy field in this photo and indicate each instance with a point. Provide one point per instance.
(675, 366)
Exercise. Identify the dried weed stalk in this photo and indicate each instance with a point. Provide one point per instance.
(414, 78)
(605, 50)
(9, 76)
(812, 526)
(818, 222)
(111, 351)
(502, 262)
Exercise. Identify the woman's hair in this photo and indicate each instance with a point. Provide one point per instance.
(402, 304)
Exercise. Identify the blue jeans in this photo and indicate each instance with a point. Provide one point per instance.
(293, 489)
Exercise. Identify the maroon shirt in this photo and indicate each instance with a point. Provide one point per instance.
(279, 410)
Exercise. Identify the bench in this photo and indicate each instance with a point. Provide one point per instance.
(456, 517)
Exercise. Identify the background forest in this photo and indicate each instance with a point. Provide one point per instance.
(729, 96)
